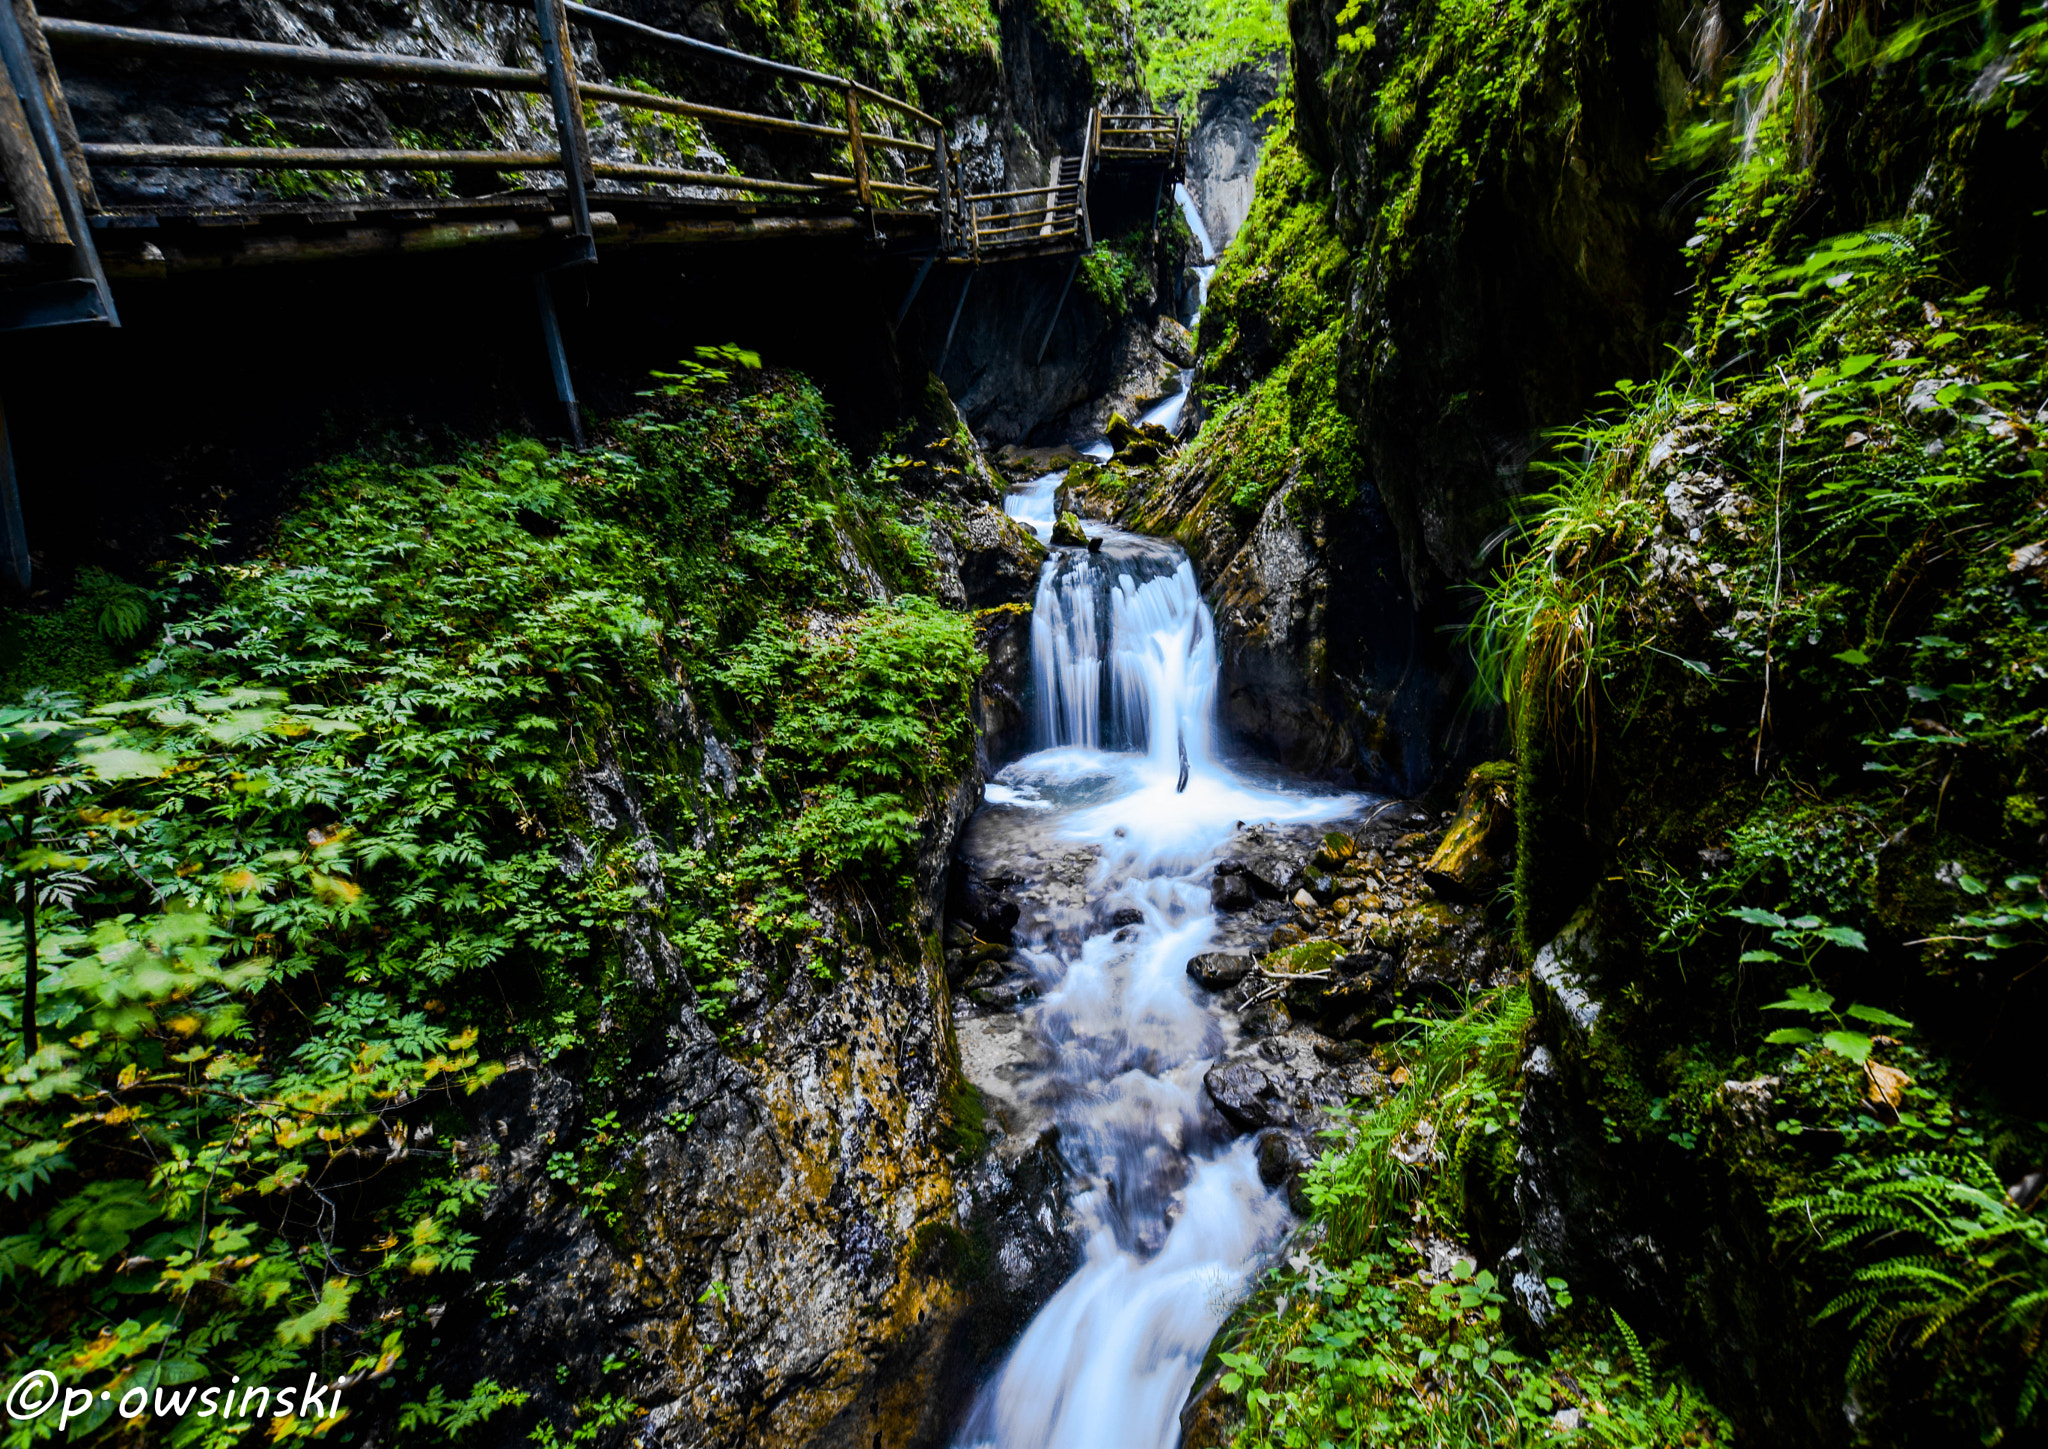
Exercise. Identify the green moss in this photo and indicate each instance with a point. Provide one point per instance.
(1271, 336)
(1101, 33)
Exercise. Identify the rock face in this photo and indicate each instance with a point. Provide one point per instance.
(1223, 153)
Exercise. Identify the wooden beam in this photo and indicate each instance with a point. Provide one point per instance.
(301, 59)
(53, 92)
(315, 158)
(35, 200)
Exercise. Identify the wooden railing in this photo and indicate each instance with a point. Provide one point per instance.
(556, 78)
(1146, 138)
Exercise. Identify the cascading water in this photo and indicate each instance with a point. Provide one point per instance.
(1128, 776)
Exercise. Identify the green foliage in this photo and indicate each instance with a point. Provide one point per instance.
(1786, 590)
(1113, 275)
(72, 647)
(1101, 33)
(920, 52)
(309, 872)
(1358, 1341)
(692, 376)
(1462, 82)
(1462, 1070)
(1192, 44)
(1949, 1268)
(1271, 335)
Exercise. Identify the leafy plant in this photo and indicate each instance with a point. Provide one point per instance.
(1809, 936)
(1950, 1266)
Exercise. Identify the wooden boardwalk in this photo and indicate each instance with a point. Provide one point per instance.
(896, 183)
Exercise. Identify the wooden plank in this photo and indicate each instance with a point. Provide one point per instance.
(35, 200)
(627, 171)
(53, 92)
(891, 188)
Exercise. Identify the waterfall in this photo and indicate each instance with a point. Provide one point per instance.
(1173, 1215)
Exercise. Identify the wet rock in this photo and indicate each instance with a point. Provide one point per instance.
(1268, 1018)
(1472, 859)
(1232, 891)
(1283, 1155)
(1137, 443)
(1247, 1096)
(1364, 963)
(1006, 994)
(1127, 916)
(1340, 1053)
(981, 904)
(1175, 343)
(1272, 858)
(1067, 532)
(998, 559)
(1220, 970)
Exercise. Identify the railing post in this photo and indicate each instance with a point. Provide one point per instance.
(577, 176)
(942, 168)
(857, 152)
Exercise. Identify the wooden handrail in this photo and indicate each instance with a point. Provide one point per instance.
(740, 57)
(314, 158)
(302, 59)
(629, 99)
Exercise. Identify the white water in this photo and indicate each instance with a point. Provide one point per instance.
(1174, 1217)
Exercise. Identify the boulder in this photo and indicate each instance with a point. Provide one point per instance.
(1067, 532)
(1220, 970)
(1126, 916)
(1472, 858)
(983, 906)
(1248, 1097)
(1137, 443)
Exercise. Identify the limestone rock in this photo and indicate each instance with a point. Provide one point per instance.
(1137, 443)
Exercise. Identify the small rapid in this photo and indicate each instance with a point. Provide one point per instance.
(1114, 824)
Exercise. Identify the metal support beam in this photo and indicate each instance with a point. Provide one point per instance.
(13, 533)
(911, 296)
(558, 356)
(958, 307)
(1064, 288)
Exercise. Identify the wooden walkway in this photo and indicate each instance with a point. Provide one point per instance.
(895, 183)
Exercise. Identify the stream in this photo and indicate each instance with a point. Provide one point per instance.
(1107, 835)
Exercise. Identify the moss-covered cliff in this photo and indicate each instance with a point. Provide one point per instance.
(1766, 613)
(487, 942)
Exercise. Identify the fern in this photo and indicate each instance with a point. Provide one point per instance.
(1951, 1267)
